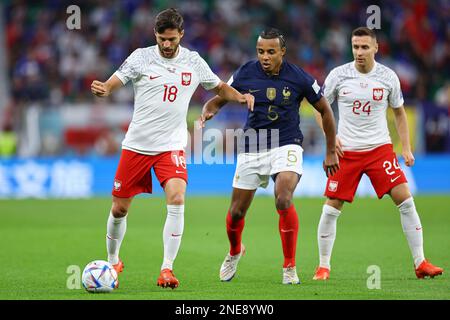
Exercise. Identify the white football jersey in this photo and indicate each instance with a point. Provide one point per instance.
(362, 100)
(162, 91)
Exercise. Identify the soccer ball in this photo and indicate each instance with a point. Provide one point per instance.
(99, 276)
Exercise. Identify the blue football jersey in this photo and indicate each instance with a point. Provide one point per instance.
(277, 101)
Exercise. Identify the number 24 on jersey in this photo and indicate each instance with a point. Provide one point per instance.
(359, 108)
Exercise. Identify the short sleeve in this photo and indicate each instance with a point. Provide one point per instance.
(230, 81)
(395, 96)
(129, 68)
(329, 87)
(311, 89)
(208, 79)
(234, 81)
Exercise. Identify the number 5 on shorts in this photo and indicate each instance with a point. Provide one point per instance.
(292, 158)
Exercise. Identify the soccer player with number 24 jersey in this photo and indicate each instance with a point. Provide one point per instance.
(364, 89)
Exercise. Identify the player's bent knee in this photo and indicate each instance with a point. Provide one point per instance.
(119, 211)
(176, 199)
(237, 213)
(283, 202)
(400, 193)
(120, 206)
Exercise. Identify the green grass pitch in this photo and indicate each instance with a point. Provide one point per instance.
(40, 239)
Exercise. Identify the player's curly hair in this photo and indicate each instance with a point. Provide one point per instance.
(272, 33)
(169, 19)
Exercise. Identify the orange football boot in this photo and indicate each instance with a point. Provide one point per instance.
(321, 274)
(427, 269)
(118, 266)
(167, 279)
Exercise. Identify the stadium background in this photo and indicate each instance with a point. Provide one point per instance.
(47, 110)
(59, 141)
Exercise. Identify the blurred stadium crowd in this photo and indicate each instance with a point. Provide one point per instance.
(51, 66)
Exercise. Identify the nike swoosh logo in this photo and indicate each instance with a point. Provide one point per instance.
(418, 229)
(325, 236)
(175, 235)
(252, 91)
(346, 92)
(393, 179)
(153, 77)
(289, 230)
(176, 171)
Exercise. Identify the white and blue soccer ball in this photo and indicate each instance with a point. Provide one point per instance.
(99, 276)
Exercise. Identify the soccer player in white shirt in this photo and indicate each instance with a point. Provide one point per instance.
(364, 89)
(164, 77)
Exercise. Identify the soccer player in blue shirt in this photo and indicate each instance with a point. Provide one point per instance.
(271, 144)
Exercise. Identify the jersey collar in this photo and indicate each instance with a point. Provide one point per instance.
(180, 48)
(368, 73)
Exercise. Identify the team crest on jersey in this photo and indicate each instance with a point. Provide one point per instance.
(117, 185)
(286, 94)
(186, 78)
(271, 93)
(332, 186)
(377, 94)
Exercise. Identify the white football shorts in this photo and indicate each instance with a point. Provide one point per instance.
(254, 170)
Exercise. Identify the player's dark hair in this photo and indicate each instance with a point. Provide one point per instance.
(364, 31)
(169, 19)
(272, 33)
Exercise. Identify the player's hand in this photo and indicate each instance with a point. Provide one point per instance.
(331, 164)
(339, 150)
(247, 99)
(209, 110)
(205, 116)
(99, 88)
(409, 158)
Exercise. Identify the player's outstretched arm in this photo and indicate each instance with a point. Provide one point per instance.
(104, 89)
(401, 123)
(229, 93)
(331, 163)
(211, 107)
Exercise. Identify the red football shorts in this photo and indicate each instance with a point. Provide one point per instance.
(133, 174)
(380, 165)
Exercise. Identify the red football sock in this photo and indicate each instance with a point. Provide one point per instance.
(288, 226)
(234, 231)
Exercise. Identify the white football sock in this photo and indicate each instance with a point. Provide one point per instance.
(326, 234)
(172, 233)
(412, 228)
(115, 231)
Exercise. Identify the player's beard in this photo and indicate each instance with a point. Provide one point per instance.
(169, 54)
